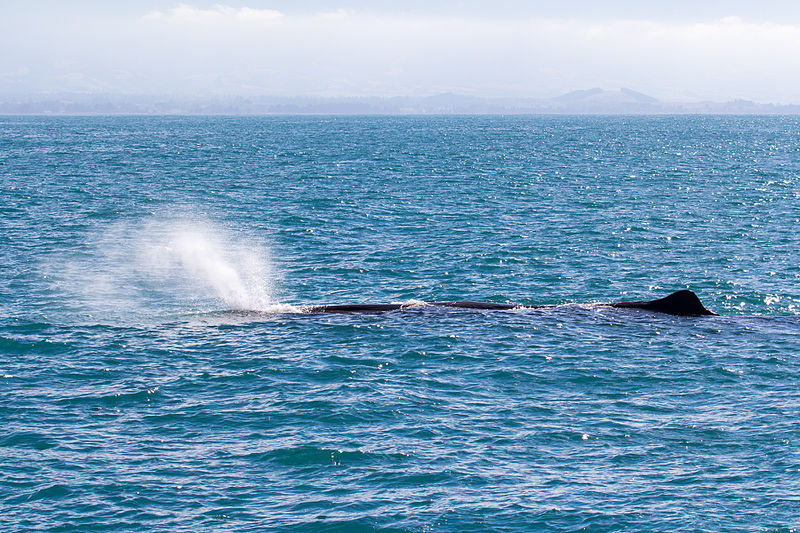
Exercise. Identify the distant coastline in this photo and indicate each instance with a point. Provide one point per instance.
(589, 102)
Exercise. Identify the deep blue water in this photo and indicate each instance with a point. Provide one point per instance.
(139, 390)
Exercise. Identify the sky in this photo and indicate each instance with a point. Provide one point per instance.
(675, 51)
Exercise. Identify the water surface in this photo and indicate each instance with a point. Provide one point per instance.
(132, 398)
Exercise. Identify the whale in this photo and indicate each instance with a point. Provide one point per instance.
(680, 303)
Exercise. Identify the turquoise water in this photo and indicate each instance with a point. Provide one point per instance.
(157, 371)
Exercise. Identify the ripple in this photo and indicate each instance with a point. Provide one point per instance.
(28, 439)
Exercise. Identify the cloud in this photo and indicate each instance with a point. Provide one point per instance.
(185, 13)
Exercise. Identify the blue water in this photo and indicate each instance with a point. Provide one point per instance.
(157, 371)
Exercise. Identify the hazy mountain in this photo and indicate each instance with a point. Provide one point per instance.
(589, 101)
(602, 101)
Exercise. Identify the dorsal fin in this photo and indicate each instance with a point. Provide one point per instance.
(682, 303)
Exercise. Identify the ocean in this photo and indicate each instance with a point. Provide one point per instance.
(158, 371)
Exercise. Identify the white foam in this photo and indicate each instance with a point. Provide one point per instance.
(412, 303)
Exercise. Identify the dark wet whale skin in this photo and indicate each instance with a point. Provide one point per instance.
(680, 303)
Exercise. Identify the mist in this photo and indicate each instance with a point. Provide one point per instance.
(183, 49)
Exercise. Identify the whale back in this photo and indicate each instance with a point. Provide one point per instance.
(681, 303)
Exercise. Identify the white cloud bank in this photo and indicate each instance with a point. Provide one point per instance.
(185, 13)
(243, 50)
